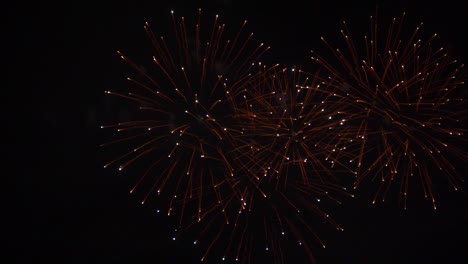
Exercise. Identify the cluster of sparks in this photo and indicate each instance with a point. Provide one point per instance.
(407, 107)
(250, 150)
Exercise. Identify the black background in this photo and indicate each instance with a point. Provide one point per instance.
(60, 59)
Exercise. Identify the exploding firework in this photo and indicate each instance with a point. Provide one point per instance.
(189, 134)
(289, 124)
(184, 102)
(407, 109)
(287, 150)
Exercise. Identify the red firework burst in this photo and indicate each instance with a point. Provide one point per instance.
(182, 130)
(290, 154)
(289, 124)
(272, 200)
(407, 103)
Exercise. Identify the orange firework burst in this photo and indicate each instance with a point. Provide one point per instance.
(406, 102)
(291, 124)
(283, 177)
(183, 129)
(290, 154)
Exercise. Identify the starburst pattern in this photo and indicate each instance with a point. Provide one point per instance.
(407, 106)
(183, 132)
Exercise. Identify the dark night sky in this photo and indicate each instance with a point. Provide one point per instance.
(67, 207)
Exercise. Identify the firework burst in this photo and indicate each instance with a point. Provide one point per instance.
(287, 151)
(288, 124)
(407, 103)
(182, 132)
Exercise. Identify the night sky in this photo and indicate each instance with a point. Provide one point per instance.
(61, 59)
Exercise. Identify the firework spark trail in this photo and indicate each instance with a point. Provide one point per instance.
(285, 220)
(406, 100)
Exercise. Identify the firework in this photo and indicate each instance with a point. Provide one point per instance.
(288, 123)
(406, 99)
(182, 127)
(259, 206)
(289, 155)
